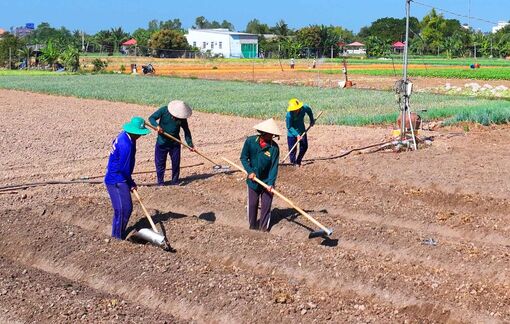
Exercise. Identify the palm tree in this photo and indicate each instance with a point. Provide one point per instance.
(281, 28)
(27, 53)
(118, 36)
(104, 40)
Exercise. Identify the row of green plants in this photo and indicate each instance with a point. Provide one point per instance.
(341, 106)
(451, 73)
(423, 60)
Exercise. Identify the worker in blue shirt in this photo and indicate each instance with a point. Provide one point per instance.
(118, 180)
(295, 121)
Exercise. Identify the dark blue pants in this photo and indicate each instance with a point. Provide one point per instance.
(266, 199)
(122, 204)
(303, 146)
(160, 155)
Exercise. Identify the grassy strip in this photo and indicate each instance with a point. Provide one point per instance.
(483, 116)
(342, 106)
(464, 62)
(29, 73)
(461, 73)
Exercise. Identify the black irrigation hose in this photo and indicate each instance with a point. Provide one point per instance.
(85, 179)
(46, 183)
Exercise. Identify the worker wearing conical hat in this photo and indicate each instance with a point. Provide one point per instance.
(171, 119)
(295, 121)
(260, 157)
(118, 180)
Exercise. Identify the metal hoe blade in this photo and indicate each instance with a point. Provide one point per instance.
(221, 168)
(150, 236)
(320, 233)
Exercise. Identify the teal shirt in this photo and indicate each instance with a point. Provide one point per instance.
(261, 161)
(171, 126)
(296, 122)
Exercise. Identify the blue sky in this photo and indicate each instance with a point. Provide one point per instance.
(94, 15)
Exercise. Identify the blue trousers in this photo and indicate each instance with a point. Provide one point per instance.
(160, 156)
(122, 204)
(303, 146)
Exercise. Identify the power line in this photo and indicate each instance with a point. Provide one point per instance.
(469, 17)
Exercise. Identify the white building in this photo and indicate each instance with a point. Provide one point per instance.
(501, 25)
(355, 48)
(224, 42)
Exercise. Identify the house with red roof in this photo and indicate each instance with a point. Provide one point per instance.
(398, 47)
(355, 48)
(129, 46)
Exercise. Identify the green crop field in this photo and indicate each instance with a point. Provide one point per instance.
(428, 60)
(28, 73)
(342, 106)
(502, 73)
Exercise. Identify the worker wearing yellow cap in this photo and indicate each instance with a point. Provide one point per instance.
(295, 121)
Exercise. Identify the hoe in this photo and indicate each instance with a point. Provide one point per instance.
(152, 236)
(324, 231)
(304, 133)
(216, 167)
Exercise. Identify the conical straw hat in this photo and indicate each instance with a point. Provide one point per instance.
(179, 109)
(268, 126)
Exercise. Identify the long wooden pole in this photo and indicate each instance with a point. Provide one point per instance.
(295, 145)
(145, 211)
(288, 201)
(181, 142)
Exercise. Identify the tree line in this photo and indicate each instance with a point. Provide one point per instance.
(432, 35)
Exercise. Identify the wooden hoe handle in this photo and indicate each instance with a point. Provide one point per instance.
(295, 145)
(288, 201)
(145, 211)
(181, 142)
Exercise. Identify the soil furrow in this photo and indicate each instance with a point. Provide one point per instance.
(55, 299)
(420, 274)
(177, 284)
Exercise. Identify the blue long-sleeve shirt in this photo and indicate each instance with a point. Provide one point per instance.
(296, 121)
(121, 161)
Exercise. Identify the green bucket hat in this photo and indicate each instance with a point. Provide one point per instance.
(136, 126)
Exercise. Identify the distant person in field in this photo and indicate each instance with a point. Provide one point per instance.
(118, 180)
(314, 63)
(292, 63)
(260, 157)
(171, 119)
(295, 121)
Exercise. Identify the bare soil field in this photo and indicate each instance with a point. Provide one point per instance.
(419, 237)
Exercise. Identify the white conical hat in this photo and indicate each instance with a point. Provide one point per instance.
(179, 109)
(268, 126)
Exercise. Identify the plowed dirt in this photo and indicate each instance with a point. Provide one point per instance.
(419, 237)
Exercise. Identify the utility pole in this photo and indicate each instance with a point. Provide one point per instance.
(469, 14)
(331, 51)
(492, 56)
(407, 87)
(10, 58)
(82, 41)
